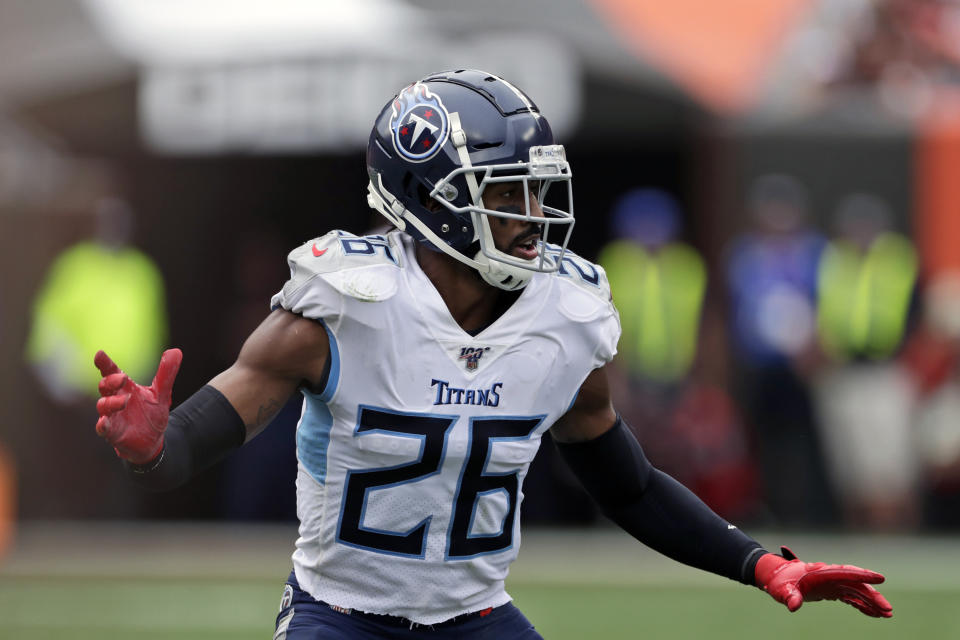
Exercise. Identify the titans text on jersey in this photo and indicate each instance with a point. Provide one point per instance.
(452, 395)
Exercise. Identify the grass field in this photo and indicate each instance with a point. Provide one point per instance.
(79, 581)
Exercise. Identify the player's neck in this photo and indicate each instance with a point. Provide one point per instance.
(473, 303)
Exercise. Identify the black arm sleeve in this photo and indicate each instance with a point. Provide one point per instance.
(200, 432)
(656, 509)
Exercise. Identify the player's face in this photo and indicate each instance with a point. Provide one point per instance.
(515, 237)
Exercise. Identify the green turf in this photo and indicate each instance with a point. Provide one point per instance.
(180, 583)
(568, 612)
(80, 608)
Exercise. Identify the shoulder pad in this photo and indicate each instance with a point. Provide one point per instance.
(582, 295)
(584, 290)
(581, 272)
(362, 267)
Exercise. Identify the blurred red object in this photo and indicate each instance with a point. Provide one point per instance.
(723, 473)
(8, 501)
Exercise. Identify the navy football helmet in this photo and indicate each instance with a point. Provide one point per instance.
(448, 136)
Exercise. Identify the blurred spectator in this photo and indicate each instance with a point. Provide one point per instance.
(100, 293)
(771, 275)
(658, 284)
(933, 358)
(903, 48)
(866, 279)
(97, 291)
(864, 398)
(691, 429)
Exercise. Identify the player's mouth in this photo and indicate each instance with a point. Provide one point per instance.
(524, 246)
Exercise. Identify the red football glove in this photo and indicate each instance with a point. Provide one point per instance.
(132, 417)
(793, 582)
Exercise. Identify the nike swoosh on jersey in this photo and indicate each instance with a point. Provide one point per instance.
(319, 252)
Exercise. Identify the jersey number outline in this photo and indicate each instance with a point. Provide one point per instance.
(366, 245)
(586, 271)
(474, 482)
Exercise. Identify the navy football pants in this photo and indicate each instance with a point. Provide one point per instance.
(303, 618)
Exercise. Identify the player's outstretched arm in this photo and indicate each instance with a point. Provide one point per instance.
(669, 518)
(164, 449)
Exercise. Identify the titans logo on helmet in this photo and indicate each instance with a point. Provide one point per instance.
(420, 123)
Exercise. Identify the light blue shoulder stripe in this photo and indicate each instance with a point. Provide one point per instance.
(333, 379)
(313, 433)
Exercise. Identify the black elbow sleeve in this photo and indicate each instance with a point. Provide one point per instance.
(612, 468)
(656, 509)
(200, 433)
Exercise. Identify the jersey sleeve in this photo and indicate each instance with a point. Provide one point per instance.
(586, 304)
(583, 320)
(328, 270)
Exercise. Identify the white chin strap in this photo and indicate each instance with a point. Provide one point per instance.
(502, 275)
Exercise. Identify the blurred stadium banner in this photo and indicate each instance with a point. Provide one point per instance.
(723, 67)
(317, 103)
(937, 190)
(225, 76)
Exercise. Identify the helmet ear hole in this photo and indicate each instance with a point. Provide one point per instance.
(430, 204)
(405, 183)
(487, 145)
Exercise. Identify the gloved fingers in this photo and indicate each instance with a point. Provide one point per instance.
(111, 384)
(109, 432)
(166, 374)
(876, 605)
(830, 573)
(103, 427)
(857, 594)
(788, 594)
(794, 599)
(108, 405)
(869, 607)
(861, 575)
(859, 605)
(105, 364)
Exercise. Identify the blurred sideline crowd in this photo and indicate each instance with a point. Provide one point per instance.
(833, 398)
(812, 381)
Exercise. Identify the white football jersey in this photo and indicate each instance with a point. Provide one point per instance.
(411, 459)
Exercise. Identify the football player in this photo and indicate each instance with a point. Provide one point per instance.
(431, 361)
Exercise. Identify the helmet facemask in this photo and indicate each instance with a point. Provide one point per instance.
(547, 178)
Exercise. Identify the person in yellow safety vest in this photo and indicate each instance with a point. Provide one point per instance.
(67, 329)
(866, 280)
(865, 398)
(689, 422)
(658, 285)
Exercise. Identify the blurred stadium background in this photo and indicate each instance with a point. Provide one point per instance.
(771, 184)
